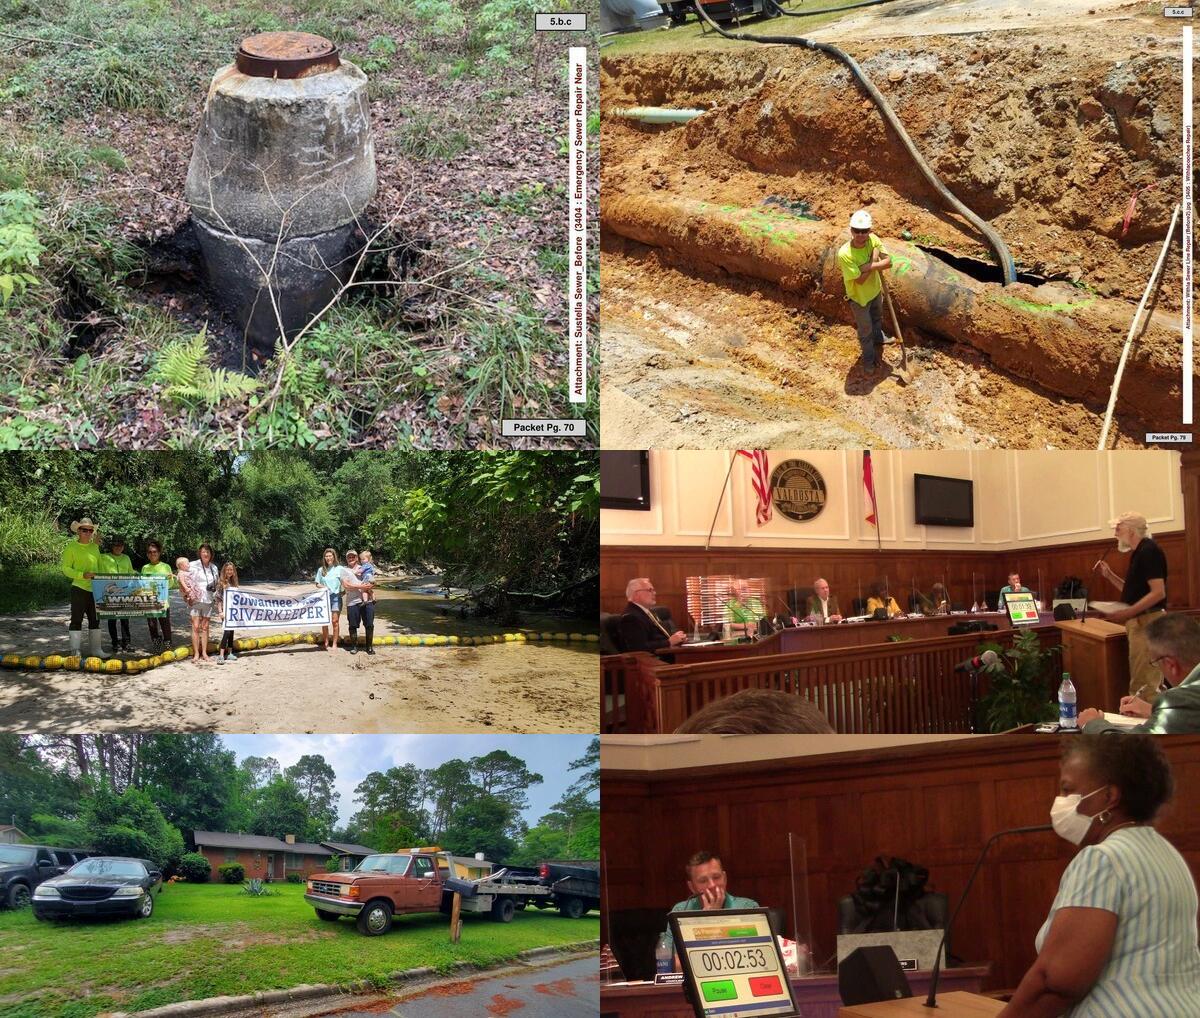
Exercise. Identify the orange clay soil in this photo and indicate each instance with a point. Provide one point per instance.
(1044, 133)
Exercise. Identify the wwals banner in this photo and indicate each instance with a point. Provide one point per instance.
(130, 597)
(244, 610)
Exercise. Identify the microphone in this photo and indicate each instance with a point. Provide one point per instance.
(931, 1000)
(790, 620)
(973, 664)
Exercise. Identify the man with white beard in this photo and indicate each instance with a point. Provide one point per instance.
(1144, 590)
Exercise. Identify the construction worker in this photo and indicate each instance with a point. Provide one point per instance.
(861, 260)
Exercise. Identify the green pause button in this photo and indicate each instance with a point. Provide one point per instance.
(719, 989)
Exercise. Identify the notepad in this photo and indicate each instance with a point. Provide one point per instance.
(1123, 719)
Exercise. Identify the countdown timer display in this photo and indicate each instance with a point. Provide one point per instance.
(733, 965)
(1022, 608)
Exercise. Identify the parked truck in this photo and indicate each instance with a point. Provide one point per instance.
(426, 880)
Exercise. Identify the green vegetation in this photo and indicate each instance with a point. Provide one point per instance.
(19, 244)
(28, 588)
(208, 940)
(135, 794)
(690, 37)
(494, 522)
(91, 87)
(1022, 685)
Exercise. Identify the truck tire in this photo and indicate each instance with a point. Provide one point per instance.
(375, 919)
(19, 896)
(329, 917)
(572, 907)
(503, 910)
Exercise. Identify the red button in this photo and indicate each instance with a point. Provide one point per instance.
(765, 986)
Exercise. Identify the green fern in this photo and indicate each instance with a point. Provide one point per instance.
(183, 369)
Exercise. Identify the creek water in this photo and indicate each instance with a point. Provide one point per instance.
(424, 610)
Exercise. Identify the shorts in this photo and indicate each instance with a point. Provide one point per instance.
(335, 602)
(201, 610)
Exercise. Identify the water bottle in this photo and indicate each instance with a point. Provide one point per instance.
(662, 954)
(1066, 702)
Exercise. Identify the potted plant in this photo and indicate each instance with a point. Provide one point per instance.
(1021, 683)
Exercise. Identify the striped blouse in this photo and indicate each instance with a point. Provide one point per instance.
(1154, 968)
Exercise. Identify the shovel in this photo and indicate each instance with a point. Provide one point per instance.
(904, 377)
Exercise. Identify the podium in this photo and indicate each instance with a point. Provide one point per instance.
(1096, 653)
(956, 1004)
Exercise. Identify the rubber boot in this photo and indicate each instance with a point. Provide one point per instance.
(97, 649)
(370, 639)
(76, 636)
(354, 641)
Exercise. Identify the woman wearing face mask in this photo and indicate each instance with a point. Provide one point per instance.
(1120, 940)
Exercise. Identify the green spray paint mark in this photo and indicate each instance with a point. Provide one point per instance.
(1041, 309)
(901, 264)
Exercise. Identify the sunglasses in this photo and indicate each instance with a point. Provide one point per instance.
(86, 530)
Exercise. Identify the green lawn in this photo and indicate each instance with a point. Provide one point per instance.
(208, 940)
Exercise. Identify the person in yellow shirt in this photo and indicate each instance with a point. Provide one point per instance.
(115, 562)
(79, 563)
(879, 598)
(862, 258)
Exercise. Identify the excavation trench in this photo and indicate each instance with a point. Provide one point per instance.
(719, 234)
(1064, 339)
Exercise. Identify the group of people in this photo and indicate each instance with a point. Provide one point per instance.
(201, 585)
(646, 626)
(1120, 934)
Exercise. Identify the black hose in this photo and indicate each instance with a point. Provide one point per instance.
(1007, 266)
(826, 10)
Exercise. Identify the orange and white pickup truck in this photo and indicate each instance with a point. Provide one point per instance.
(424, 880)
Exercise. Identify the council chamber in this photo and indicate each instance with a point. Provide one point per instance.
(859, 876)
(913, 591)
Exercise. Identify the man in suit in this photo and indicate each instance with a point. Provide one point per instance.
(640, 627)
(823, 604)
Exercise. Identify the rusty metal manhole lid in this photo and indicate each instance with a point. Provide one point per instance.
(286, 55)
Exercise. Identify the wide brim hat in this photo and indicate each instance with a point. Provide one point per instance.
(85, 522)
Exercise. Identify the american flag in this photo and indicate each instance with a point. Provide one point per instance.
(869, 506)
(761, 482)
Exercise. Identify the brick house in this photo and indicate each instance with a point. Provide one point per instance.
(267, 858)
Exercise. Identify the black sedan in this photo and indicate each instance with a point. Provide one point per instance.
(100, 886)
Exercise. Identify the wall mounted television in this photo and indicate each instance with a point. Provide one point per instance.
(944, 501)
(625, 479)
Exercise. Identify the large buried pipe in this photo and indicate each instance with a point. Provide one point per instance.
(1062, 339)
(1004, 258)
(282, 168)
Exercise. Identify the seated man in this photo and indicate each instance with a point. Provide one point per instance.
(743, 610)
(877, 600)
(706, 879)
(1174, 642)
(640, 627)
(822, 604)
(1012, 587)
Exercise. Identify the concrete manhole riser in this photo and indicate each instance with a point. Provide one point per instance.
(281, 171)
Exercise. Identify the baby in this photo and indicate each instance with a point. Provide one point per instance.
(187, 583)
(366, 572)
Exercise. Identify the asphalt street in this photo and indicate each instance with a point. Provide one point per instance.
(567, 990)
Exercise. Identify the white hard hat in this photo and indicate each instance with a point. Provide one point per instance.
(861, 220)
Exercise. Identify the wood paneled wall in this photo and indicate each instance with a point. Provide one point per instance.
(845, 569)
(935, 806)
